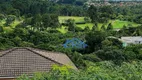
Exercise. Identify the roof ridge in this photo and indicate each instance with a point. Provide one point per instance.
(57, 57)
(7, 51)
(52, 58)
(30, 49)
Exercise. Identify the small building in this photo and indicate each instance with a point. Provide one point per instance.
(131, 40)
(18, 61)
(75, 43)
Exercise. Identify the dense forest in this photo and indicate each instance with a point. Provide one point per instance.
(36, 23)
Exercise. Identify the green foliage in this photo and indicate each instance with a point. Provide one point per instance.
(10, 19)
(2, 17)
(110, 27)
(135, 51)
(36, 22)
(78, 29)
(95, 27)
(86, 29)
(36, 25)
(92, 11)
(50, 21)
(86, 19)
(103, 27)
(94, 40)
(100, 14)
(101, 70)
(111, 53)
(1, 29)
(91, 57)
(71, 25)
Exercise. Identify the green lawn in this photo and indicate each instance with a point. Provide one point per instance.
(90, 25)
(63, 29)
(116, 23)
(62, 19)
(120, 24)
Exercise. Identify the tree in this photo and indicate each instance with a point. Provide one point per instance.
(1, 29)
(36, 22)
(22, 5)
(110, 27)
(94, 40)
(67, 1)
(50, 20)
(71, 25)
(95, 27)
(93, 13)
(111, 53)
(46, 20)
(2, 17)
(17, 40)
(86, 29)
(103, 27)
(100, 14)
(106, 12)
(10, 19)
(54, 23)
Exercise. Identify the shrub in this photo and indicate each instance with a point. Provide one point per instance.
(87, 20)
(91, 57)
(96, 71)
(110, 53)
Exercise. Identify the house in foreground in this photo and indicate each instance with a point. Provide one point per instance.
(17, 61)
(131, 40)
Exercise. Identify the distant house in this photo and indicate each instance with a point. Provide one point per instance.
(17, 61)
(74, 43)
(131, 40)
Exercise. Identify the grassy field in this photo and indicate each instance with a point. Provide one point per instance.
(62, 19)
(63, 29)
(120, 24)
(117, 24)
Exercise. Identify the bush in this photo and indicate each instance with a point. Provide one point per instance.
(110, 53)
(1, 29)
(10, 19)
(91, 57)
(53, 31)
(2, 17)
(96, 71)
(78, 29)
(26, 44)
(46, 47)
(80, 22)
(87, 20)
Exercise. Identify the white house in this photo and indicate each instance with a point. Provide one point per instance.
(131, 40)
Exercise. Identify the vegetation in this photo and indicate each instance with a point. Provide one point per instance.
(48, 24)
(103, 70)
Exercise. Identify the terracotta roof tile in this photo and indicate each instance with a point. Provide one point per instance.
(17, 61)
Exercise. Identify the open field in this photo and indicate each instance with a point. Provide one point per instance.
(62, 19)
(63, 29)
(115, 23)
(120, 24)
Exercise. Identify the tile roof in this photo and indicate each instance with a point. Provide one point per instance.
(17, 61)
